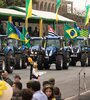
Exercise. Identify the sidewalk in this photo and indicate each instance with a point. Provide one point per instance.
(83, 96)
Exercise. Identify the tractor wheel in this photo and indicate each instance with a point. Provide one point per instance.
(84, 59)
(3, 65)
(46, 65)
(23, 62)
(88, 59)
(40, 62)
(65, 64)
(18, 63)
(72, 62)
(9, 68)
(59, 62)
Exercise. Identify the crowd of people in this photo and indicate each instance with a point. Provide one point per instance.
(34, 89)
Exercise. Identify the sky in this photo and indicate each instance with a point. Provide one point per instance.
(80, 4)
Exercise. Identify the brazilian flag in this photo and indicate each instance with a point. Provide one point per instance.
(26, 37)
(70, 32)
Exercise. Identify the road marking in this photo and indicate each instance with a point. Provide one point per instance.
(69, 98)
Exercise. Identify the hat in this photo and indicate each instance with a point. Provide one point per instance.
(6, 91)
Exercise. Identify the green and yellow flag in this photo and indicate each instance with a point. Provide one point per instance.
(84, 33)
(26, 37)
(28, 8)
(70, 32)
(13, 32)
(87, 17)
(58, 3)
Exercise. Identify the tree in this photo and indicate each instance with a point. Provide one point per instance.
(9, 2)
(2, 3)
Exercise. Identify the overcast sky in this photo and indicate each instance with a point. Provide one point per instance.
(80, 4)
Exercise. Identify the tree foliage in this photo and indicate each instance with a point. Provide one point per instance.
(2, 3)
(6, 3)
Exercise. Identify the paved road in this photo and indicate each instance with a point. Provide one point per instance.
(67, 80)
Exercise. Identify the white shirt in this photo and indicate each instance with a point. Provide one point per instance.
(39, 95)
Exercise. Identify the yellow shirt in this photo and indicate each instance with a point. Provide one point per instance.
(53, 98)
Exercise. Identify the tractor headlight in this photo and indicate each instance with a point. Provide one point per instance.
(84, 49)
(32, 52)
(35, 53)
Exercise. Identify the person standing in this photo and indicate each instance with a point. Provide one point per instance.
(35, 86)
(35, 73)
(49, 91)
(26, 94)
(6, 78)
(35, 32)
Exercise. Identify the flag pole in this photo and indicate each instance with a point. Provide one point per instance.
(10, 19)
(54, 25)
(26, 22)
(41, 27)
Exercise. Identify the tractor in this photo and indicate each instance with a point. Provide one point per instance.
(79, 51)
(36, 47)
(54, 52)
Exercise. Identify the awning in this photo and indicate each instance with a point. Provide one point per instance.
(50, 16)
(4, 13)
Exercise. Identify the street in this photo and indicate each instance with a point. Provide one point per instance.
(66, 80)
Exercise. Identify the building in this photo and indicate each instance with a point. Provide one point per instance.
(50, 5)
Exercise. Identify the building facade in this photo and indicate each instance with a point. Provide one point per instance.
(50, 5)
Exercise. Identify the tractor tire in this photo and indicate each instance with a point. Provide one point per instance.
(18, 64)
(3, 65)
(59, 62)
(65, 64)
(84, 59)
(88, 59)
(46, 65)
(23, 62)
(9, 68)
(40, 62)
(72, 62)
